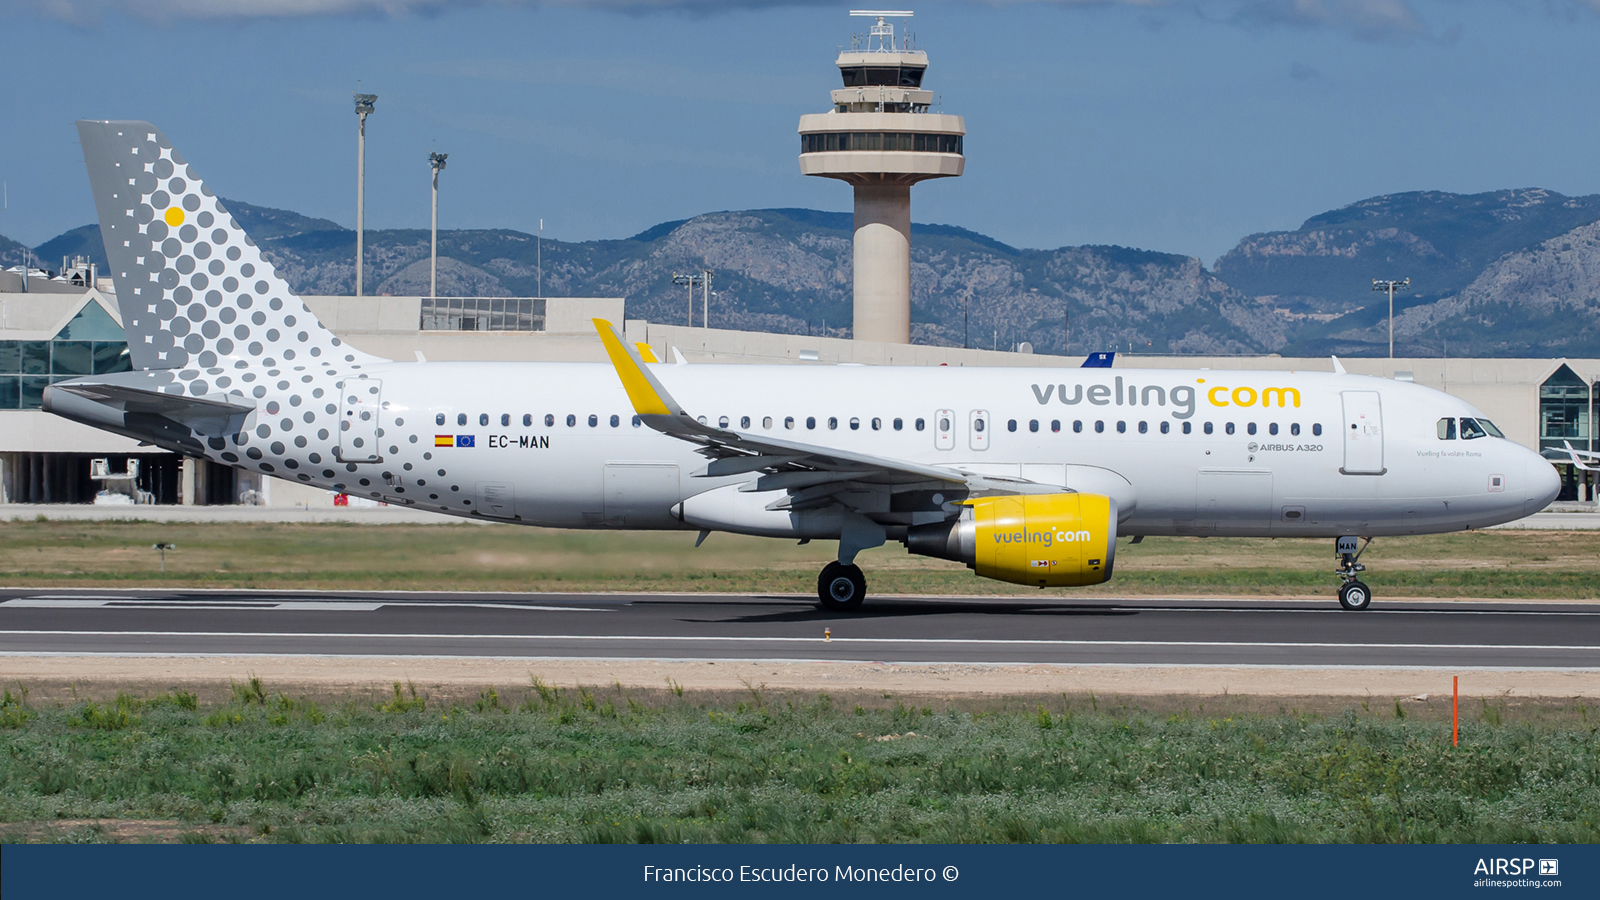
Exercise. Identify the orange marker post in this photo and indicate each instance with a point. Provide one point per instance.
(1455, 710)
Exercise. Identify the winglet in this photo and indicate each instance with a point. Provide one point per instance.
(1338, 367)
(645, 352)
(649, 398)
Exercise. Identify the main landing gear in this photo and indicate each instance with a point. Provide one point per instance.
(840, 587)
(1354, 595)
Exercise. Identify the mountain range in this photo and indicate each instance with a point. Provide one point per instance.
(1505, 273)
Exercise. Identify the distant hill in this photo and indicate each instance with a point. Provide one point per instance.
(1504, 273)
(11, 252)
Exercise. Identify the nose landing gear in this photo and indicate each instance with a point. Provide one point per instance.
(1354, 595)
(840, 587)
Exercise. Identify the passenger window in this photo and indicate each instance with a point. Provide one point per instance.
(1033, 424)
(899, 424)
(637, 421)
(505, 420)
(1447, 429)
(1251, 428)
(833, 423)
(1470, 430)
(855, 424)
(439, 419)
(615, 421)
(593, 420)
(1228, 428)
(877, 424)
(1188, 427)
(461, 418)
(919, 424)
(483, 419)
(1273, 428)
(701, 419)
(1077, 426)
(722, 422)
(1294, 428)
(944, 424)
(1317, 429)
(571, 420)
(549, 420)
(1166, 427)
(1208, 428)
(766, 422)
(744, 421)
(1144, 427)
(1122, 428)
(811, 422)
(1011, 424)
(1099, 427)
(788, 422)
(527, 420)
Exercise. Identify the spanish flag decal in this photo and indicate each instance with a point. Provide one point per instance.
(444, 440)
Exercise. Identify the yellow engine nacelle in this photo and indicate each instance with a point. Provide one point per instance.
(1047, 540)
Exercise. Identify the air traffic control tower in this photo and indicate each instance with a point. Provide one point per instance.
(880, 137)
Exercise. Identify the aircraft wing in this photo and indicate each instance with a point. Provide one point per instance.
(812, 475)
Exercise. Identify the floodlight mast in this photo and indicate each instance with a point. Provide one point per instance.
(365, 106)
(1390, 286)
(436, 162)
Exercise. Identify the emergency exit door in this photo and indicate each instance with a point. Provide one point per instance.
(1363, 433)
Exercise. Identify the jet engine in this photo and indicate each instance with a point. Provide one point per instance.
(1046, 540)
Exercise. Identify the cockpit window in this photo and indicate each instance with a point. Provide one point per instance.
(1447, 429)
(1471, 430)
(1489, 427)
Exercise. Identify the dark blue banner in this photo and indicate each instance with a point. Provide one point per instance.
(61, 872)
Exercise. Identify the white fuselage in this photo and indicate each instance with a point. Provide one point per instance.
(1332, 454)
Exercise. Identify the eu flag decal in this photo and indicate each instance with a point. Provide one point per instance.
(464, 440)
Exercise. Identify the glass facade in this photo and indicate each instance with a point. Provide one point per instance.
(1564, 411)
(91, 344)
(880, 76)
(482, 314)
(880, 140)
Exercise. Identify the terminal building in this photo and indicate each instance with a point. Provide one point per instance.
(46, 337)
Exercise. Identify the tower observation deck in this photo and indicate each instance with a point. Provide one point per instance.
(880, 137)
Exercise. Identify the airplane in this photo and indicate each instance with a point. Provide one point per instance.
(1026, 475)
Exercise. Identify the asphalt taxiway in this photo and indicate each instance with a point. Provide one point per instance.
(1050, 629)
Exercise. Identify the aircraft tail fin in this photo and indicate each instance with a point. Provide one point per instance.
(193, 288)
(1100, 360)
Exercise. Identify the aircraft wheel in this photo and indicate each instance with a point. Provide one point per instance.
(841, 588)
(1355, 596)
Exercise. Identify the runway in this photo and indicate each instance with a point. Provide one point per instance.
(1052, 629)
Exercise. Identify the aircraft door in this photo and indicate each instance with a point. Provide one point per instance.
(641, 494)
(944, 429)
(359, 402)
(978, 429)
(1363, 433)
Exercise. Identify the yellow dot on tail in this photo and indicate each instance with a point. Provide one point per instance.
(174, 216)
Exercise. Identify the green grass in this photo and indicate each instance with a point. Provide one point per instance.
(1543, 565)
(601, 765)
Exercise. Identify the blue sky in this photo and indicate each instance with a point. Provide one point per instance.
(1162, 124)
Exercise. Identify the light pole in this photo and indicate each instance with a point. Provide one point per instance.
(705, 298)
(436, 161)
(689, 281)
(1390, 286)
(365, 104)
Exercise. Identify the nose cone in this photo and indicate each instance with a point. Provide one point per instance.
(1543, 484)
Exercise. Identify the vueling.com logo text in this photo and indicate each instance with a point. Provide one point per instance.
(1048, 538)
(1221, 395)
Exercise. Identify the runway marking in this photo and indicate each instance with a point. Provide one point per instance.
(264, 604)
(797, 640)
